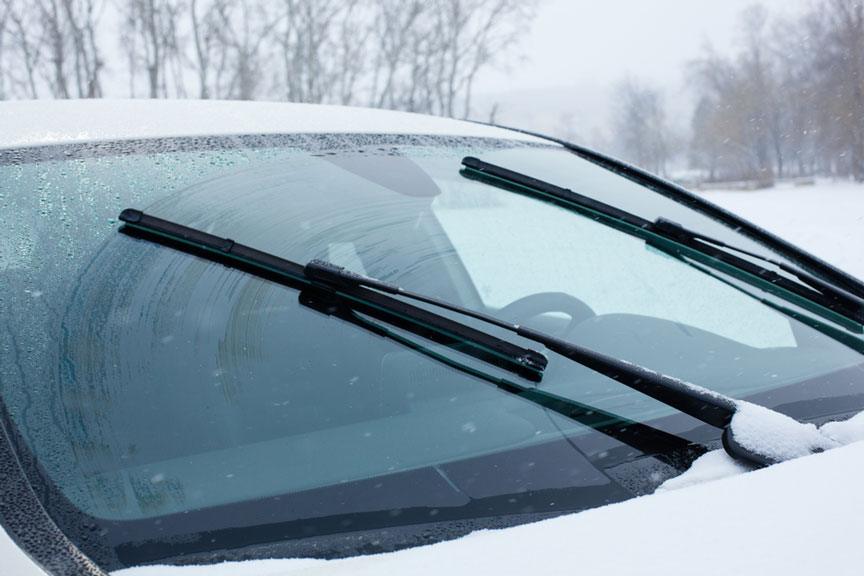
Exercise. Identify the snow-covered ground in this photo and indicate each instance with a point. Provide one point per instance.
(800, 517)
(826, 219)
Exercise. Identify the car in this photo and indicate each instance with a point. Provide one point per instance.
(236, 331)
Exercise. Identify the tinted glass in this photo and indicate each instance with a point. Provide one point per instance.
(164, 396)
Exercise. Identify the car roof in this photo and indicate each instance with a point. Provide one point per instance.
(44, 122)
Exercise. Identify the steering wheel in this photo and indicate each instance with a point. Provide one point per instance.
(534, 305)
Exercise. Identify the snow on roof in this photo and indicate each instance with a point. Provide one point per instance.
(800, 517)
(36, 123)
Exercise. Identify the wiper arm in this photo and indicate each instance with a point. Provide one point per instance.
(476, 343)
(808, 291)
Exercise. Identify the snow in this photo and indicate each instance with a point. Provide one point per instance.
(711, 466)
(826, 219)
(751, 524)
(774, 435)
(34, 123)
(845, 432)
(782, 438)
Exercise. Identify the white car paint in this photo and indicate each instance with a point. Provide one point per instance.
(13, 560)
(38, 123)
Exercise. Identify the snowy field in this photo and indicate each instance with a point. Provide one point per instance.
(827, 219)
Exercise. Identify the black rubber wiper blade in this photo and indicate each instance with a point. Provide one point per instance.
(476, 343)
(806, 290)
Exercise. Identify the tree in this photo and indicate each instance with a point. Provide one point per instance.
(23, 52)
(81, 22)
(641, 134)
(150, 39)
(742, 119)
(5, 11)
(838, 67)
(319, 63)
(205, 34)
(50, 45)
(471, 35)
(791, 102)
(706, 148)
(419, 55)
(244, 29)
(401, 39)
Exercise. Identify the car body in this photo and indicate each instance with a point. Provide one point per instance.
(160, 407)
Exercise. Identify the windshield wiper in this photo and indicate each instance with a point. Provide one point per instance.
(339, 287)
(805, 289)
(476, 343)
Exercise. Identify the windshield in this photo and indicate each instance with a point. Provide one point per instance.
(174, 406)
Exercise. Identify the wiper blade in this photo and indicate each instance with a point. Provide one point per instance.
(805, 289)
(476, 343)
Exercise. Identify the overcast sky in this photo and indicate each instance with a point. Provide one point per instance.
(574, 41)
(578, 49)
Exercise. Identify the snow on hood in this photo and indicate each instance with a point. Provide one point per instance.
(800, 517)
(36, 123)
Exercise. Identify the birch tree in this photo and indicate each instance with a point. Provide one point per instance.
(5, 10)
(321, 49)
(151, 41)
